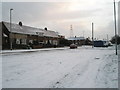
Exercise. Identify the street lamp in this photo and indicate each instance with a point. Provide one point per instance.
(115, 27)
(11, 29)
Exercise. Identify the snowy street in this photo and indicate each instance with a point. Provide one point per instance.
(84, 67)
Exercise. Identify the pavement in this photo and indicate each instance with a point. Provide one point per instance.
(31, 50)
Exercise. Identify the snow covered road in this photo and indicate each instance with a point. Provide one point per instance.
(64, 68)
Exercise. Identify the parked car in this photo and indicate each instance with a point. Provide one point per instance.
(73, 46)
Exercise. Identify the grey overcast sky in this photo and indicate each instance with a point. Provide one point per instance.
(58, 16)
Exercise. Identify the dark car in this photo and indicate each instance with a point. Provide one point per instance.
(73, 46)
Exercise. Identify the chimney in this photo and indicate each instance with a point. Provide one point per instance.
(45, 28)
(20, 23)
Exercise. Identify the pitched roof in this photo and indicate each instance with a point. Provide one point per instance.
(16, 28)
(76, 38)
(50, 33)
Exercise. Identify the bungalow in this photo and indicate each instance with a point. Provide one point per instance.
(77, 40)
(22, 36)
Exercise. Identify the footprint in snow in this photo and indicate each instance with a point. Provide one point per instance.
(60, 62)
(57, 82)
(66, 75)
(97, 58)
(9, 80)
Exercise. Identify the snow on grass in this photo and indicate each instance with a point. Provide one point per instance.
(29, 50)
(64, 68)
(108, 72)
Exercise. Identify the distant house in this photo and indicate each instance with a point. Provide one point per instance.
(77, 40)
(23, 36)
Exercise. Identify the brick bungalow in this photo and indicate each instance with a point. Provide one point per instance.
(23, 36)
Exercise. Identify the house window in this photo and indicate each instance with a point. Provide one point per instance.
(46, 41)
(17, 41)
(23, 41)
(50, 41)
(55, 42)
(31, 41)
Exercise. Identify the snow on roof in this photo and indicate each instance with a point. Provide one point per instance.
(100, 40)
(50, 33)
(5, 35)
(76, 38)
(16, 28)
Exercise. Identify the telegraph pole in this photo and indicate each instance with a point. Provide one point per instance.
(92, 34)
(115, 28)
(107, 38)
(71, 31)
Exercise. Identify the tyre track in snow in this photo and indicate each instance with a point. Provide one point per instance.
(70, 77)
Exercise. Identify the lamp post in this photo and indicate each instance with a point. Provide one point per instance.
(11, 29)
(115, 27)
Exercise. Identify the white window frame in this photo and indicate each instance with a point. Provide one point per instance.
(24, 41)
(17, 41)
